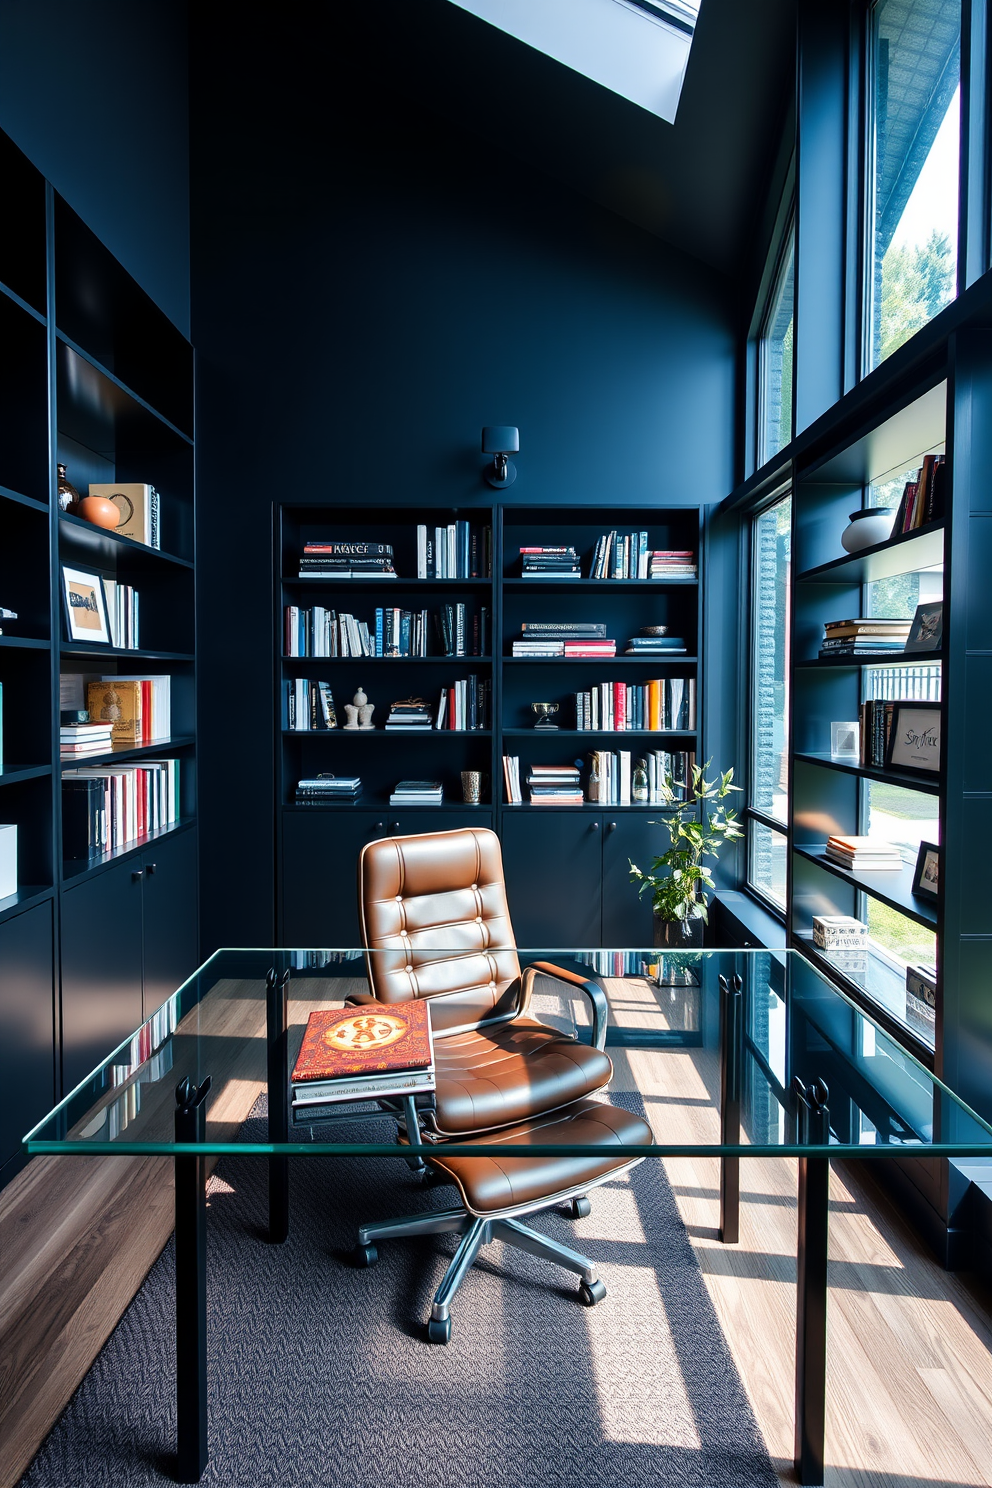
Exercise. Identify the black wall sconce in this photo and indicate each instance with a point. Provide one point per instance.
(500, 440)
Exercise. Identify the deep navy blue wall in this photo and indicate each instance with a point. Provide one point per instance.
(364, 300)
(96, 96)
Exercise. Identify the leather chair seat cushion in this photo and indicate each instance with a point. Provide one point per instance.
(489, 1184)
(505, 1073)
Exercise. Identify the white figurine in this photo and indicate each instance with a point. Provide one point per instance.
(359, 712)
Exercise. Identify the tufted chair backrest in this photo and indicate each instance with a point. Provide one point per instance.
(433, 909)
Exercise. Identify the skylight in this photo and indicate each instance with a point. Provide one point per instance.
(636, 48)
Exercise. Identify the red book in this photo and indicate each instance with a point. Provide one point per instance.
(619, 706)
(367, 1040)
(146, 713)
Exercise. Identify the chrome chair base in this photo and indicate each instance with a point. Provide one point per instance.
(476, 1233)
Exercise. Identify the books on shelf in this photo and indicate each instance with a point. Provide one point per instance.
(666, 704)
(923, 500)
(409, 713)
(619, 555)
(921, 983)
(875, 720)
(309, 705)
(649, 645)
(113, 806)
(455, 551)
(347, 560)
(351, 1054)
(80, 739)
(139, 708)
(673, 563)
(867, 637)
(465, 704)
(122, 614)
(550, 563)
(417, 793)
(511, 779)
(555, 785)
(456, 628)
(320, 789)
(592, 647)
(139, 506)
(868, 853)
(610, 776)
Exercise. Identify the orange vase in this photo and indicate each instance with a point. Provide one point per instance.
(98, 510)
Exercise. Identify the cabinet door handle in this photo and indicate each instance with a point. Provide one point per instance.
(150, 868)
(137, 873)
(594, 826)
(394, 826)
(379, 827)
(611, 826)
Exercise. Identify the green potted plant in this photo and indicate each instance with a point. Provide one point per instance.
(679, 881)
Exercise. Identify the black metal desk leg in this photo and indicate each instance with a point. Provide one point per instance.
(276, 1000)
(191, 1286)
(811, 1292)
(731, 1034)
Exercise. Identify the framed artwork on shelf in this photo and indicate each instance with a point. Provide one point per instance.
(927, 876)
(85, 606)
(914, 739)
(927, 629)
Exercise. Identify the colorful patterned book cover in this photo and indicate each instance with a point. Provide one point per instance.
(365, 1040)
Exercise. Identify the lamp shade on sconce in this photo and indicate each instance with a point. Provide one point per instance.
(500, 440)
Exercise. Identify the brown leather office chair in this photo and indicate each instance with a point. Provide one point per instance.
(434, 914)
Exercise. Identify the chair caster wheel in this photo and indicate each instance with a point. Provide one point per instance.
(591, 1292)
(364, 1255)
(439, 1330)
(579, 1208)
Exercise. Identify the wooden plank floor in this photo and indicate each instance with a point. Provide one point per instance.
(909, 1384)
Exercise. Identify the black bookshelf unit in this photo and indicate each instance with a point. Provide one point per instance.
(566, 867)
(96, 377)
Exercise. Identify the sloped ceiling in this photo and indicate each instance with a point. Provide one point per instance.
(699, 183)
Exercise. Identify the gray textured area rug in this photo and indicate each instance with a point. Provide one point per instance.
(320, 1375)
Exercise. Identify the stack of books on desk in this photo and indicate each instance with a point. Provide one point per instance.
(865, 637)
(866, 853)
(555, 785)
(78, 740)
(655, 645)
(322, 789)
(673, 563)
(417, 793)
(347, 560)
(550, 563)
(362, 1053)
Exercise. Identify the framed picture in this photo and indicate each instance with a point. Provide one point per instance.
(927, 629)
(85, 606)
(927, 875)
(914, 739)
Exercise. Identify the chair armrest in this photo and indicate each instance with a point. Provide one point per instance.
(590, 986)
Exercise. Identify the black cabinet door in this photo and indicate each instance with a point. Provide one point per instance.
(320, 874)
(410, 823)
(168, 918)
(627, 919)
(553, 864)
(101, 967)
(27, 1028)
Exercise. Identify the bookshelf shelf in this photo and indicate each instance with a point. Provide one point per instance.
(871, 772)
(893, 886)
(120, 653)
(28, 772)
(605, 661)
(387, 660)
(110, 548)
(529, 733)
(76, 869)
(600, 586)
(26, 897)
(11, 294)
(923, 548)
(24, 643)
(22, 500)
(898, 658)
(370, 803)
(121, 387)
(883, 997)
(384, 733)
(386, 586)
(146, 751)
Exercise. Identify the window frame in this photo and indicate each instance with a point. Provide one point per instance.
(785, 243)
(784, 491)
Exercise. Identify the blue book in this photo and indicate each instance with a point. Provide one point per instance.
(378, 633)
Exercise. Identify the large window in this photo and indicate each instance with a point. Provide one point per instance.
(775, 360)
(768, 777)
(914, 135)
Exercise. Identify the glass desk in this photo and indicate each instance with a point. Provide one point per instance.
(793, 1068)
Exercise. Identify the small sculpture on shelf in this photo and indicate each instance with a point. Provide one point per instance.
(545, 712)
(359, 712)
(95, 509)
